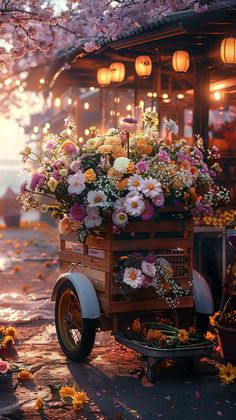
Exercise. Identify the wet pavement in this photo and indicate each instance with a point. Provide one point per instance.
(112, 377)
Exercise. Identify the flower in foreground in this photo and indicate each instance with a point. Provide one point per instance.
(52, 184)
(133, 277)
(77, 212)
(183, 336)
(38, 404)
(66, 226)
(119, 218)
(93, 218)
(148, 268)
(76, 183)
(10, 331)
(67, 391)
(90, 175)
(8, 341)
(148, 212)
(151, 187)
(24, 375)
(134, 205)
(96, 198)
(121, 164)
(142, 167)
(227, 373)
(69, 148)
(4, 366)
(134, 183)
(79, 399)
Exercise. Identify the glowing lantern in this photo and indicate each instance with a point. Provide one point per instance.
(228, 50)
(104, 76)
(181, 61)
(143, 66)
(117, 72)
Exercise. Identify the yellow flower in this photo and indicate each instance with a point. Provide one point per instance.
(227, 373)
(213, 318)
(2, 329)
(136, 326)
(8, 341)
(79, 399)
(90, 176)
(24, 375)
(38, 404)
(210, 336)
(10, 331)
(192, 330)
(67, 391)
(183, 336)
(52, 184)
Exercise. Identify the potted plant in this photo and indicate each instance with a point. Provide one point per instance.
(225, 325)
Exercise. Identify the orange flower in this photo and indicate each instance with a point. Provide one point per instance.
(192, 330)
(79, 399)
(24, 375)
(10, 331)
(121, 185)
(193, 170)
(38, 404)
(67, 391)
(131, 168)
(8, 341)
(183, 336)
(118, 151)
(136, 326)
(68, 147)
(111, 173)
(90, 176)
(105, 149)
(186, 165)
(143, 148)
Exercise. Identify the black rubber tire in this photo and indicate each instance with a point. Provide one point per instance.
(88, 332)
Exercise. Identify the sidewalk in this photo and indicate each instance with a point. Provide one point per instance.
(29, 268)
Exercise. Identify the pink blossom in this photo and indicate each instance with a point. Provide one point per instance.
(78, 212)
(4, 366)
(148, 212)
(158, 201)
(163, 156)
(148, 281)
(142, 167)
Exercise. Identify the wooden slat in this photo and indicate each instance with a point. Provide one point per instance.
(148, 305)
(151, 244)
(97, 263)
(160, 226)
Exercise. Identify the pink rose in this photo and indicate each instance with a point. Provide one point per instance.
(4, 366)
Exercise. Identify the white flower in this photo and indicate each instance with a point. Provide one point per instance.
(96, 198)
(76, 183)
(134, 183)
(75, 165)
(93, 218)
(121, 164)
(119, 218)
(133, 277)
(171, 126)
(188, 178)
(119, 203)
(150, 187)
(148, 268)
(134, 204)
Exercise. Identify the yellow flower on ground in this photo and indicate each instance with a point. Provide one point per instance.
(90, 176)
(8, 341)
(136, 326)
(24, 375)
(79, 399)
(67, 391)
(38, 404)
(227, 373)
(10, 331)
(183, 336)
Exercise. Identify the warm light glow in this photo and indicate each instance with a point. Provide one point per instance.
(36, 129)
(22, 130)
(154, 94)
(128, 116)
(143, 65)
(81, 139)
(129, 107)
(217, 96)
(141, 104)
(45, 130)
(8, 82)
(21, 89)
(117, 100)
(104, 76)
(42, 81)
(86, 105)
(18, 82)
(33, 136)
(149, 94)
(117, 72)
(181, 61)
(86, 132)
(47, 125)
(118, 114)
(92, 88)
(36, 99)
(69, 101)
(57, 102)
(167, 101)
(180, 96)
(165, 96)
(228, 50)
(112, 113)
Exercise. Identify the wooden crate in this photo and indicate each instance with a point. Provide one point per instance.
(169, 237)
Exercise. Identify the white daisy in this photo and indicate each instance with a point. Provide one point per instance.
(134, 204)
(93, 218)
(134, 183)
(133, 277)
(121, 164)
(119, 203)
(150, 187)
(76, 183)
(119, 218)
(148, 268)
(96, 198)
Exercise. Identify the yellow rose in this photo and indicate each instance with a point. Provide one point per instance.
(52, 184)
(90, 176)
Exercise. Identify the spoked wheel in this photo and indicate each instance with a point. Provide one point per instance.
(76, 335)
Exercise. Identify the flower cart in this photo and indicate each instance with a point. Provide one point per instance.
(126, 202)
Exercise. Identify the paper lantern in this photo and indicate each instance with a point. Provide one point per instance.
(143, 65)
(104, 76)
(181, 61)
(117, 72)
(228, 50)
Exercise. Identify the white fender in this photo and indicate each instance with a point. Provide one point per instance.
(203, 301)
(86, 293)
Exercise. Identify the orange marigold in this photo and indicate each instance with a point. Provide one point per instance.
(90, 175)
(79, 399)
(183, 336)
(143, 147)
(121, 185)
(136, 326)
(24, 375)
(67, 391)
(38, 404)
(8, 341)
(10, 331)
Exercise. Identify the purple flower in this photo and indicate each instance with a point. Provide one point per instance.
(148, 281)
(198, 153)
(78, 212)
(148, 212)
(56, 175)
(58, 164)
(204, 169)
(182, 156)
(163, 156)
(37, 181)
(151, 258)
(212, 174)
(158, 201)
(23, 187)
(142, 167)
(130, 120)
(202, 209)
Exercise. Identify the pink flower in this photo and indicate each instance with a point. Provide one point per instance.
(149, 281)
(158, 201)
(4, 366)
(148, 212)
(77, 212)
(151, 258)
(163, 156)
(142, 167)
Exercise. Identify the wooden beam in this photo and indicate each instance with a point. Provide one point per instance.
(201, 101)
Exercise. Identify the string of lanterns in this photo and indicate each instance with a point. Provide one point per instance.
(180, 63)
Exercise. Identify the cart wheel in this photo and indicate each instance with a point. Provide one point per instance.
(76, 335)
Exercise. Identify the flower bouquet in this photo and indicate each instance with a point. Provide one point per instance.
(124, 174)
